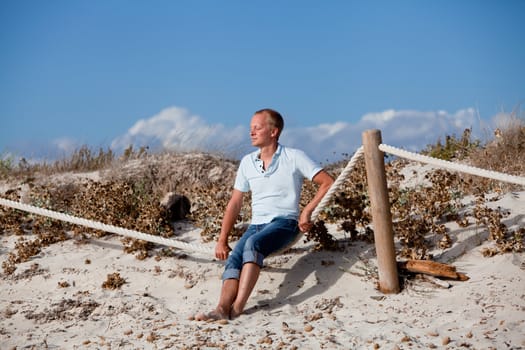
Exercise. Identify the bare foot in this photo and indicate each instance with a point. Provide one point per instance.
(213, 315)
(234, 313)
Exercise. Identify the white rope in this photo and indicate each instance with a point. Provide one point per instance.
(453, 166)
(337, 183)
(104, 227)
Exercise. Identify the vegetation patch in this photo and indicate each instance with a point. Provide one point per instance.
(126, 192)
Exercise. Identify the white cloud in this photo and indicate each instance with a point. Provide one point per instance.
(379, 118)
(421, 128)
(407, 129)
(176, 128)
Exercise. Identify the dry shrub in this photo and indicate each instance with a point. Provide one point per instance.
(128, 196)
(84, 159)
(12, 220)
(47, 233)
(348, 208)
(205, 179)
(506, 153)
(6, 165)
(176, 172)
(418, 213)
(119, 203)
(26, 249)
(64, 310)
(113, 281)
(505, 240)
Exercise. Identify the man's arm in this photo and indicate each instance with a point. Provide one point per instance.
(324, 180)
(231, 213)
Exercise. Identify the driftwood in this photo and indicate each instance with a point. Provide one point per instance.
(432, 268)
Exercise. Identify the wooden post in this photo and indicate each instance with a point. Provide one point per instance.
(381, 216)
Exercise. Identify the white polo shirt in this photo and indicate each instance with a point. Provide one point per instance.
(276, 191)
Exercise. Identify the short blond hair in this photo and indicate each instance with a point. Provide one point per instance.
(274, 118)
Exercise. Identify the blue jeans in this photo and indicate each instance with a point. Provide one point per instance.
(258, 242)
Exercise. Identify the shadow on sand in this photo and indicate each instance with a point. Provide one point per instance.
(327, 267)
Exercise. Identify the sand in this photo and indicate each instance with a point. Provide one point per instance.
(303, 300)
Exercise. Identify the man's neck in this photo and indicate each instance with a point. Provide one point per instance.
(268, 151)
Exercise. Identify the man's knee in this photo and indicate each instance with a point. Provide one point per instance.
(252, 253)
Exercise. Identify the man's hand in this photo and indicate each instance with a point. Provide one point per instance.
(324, 180)
(305, 223)
(222, 250)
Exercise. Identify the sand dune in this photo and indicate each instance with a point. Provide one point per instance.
(303, 300)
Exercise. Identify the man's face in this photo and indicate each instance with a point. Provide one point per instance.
(261, 132)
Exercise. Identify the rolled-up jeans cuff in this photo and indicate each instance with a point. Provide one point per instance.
(253, 257)
(231, 274)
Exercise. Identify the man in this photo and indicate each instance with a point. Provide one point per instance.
(274, 174)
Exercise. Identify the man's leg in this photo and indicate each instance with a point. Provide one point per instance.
(273, 237)
(229, 291)
(249, 275)
(231, 276)
(222, 311)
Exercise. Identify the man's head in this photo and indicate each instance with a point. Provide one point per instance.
(274, 118)
(266, 127)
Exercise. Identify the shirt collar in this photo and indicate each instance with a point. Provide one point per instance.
(257, 154)
(271, 167)
(278, 151)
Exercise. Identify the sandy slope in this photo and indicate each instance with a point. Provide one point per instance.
(304, 300)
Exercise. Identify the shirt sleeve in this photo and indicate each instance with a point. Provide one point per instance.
(306, 165)
(241, 181)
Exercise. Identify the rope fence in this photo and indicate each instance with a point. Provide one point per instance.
(324, 202)
(453, 166)
(105, 227)
(337, 183)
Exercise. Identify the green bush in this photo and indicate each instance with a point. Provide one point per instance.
(454, 148)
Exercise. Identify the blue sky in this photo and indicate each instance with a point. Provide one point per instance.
(189, 74)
